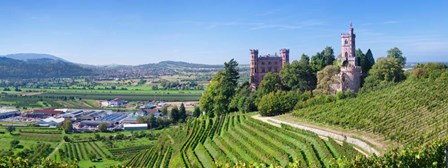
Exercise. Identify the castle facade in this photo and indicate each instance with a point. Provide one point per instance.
(260, 65)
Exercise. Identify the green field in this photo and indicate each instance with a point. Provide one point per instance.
(239, 138)
(82, 98)
(410, 112)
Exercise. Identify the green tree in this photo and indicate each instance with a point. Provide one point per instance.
(304, 60)
(367, 62)
(66, 138)
(92, 156)
(102, 127)
(298, 75)
(182, 112)
(11, 129)
(322, 59)
(196, 112)
(152, 121)
(174, 114)
(231, 72)
(271, 82)
(14, 143)
(244, 99)
(68, 126)
(206, 101)
(384, 71)
(142, 119)
(396, 53)
(326, 79)
(221, 90)
(361, 56)
(278, 102)
(164, 111)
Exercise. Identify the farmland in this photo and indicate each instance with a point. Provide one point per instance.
(79, 98)
(88, 149)
(238, 138)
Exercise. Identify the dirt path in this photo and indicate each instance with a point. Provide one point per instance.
(326, 132)
(171, 139)
(55, 149)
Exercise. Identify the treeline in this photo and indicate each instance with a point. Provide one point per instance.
(176, 85)
(300, 83)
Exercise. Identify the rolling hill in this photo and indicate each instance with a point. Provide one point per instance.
(39, 68)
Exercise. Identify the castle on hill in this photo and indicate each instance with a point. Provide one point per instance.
(349, 77)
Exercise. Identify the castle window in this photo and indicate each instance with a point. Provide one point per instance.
(275, 63)
(262, 63)
(269, 69)
(269, 63)
(346, 54)
(346, 41)
(262, 70)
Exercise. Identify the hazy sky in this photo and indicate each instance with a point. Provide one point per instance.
(214, 31)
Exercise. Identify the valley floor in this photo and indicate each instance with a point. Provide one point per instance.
(366, 142)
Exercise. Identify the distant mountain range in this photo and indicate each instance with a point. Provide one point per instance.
(32, 56)
(31, 65)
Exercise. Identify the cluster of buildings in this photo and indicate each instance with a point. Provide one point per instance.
(349, 77)
(82, 119)
(6, 113)
(117, 102)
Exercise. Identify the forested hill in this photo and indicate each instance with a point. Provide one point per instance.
(415, 111)
(39, 68)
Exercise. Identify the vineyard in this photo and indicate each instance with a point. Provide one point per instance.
(238, 138)
(80, 151)
(410, 112)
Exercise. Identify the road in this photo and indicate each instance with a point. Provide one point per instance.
(336, 135)
(55, 149)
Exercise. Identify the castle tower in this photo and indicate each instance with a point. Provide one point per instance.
(348, 43)
(253, 67)
(350, 75)
(284, 54)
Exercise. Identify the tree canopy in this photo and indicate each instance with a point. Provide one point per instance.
(384, 71)
(220, 90)
(322, 59)
(326, 78)
(396, 53)
(298, 75)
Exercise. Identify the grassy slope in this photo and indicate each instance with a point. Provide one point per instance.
(410, 112)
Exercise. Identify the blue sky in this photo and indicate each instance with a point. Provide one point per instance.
(213, 31)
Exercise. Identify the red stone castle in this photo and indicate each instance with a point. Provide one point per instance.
(260, 65)
(348, 79)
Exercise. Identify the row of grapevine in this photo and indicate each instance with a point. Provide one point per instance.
(414, 111)
(237, 138)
